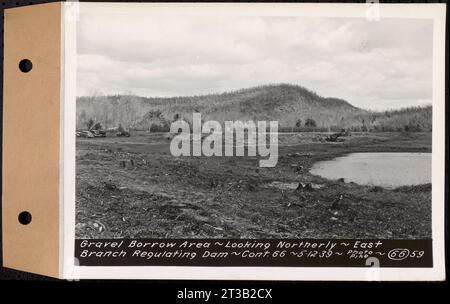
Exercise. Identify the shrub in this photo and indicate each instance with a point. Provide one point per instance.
(310, 123)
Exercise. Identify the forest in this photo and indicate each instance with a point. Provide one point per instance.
(296, 109)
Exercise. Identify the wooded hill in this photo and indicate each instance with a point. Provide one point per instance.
(294, 107)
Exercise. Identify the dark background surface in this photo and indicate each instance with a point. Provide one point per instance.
(350, 292)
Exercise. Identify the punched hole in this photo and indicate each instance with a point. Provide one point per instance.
(25, 65)
(24, 217)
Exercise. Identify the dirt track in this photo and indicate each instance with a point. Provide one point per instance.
(134, 187)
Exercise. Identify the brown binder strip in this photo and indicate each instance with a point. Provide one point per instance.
(31, 142)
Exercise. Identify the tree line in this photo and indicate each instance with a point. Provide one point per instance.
(295, 108)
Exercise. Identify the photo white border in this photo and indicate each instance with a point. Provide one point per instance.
(69, 268)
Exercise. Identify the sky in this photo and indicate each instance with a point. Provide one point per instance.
(373, 65)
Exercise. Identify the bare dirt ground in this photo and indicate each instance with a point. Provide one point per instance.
(134, 188)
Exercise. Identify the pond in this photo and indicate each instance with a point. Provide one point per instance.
(388, 170)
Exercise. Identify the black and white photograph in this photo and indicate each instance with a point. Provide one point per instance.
(224, 142)
(213, 136)
(352, 101)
